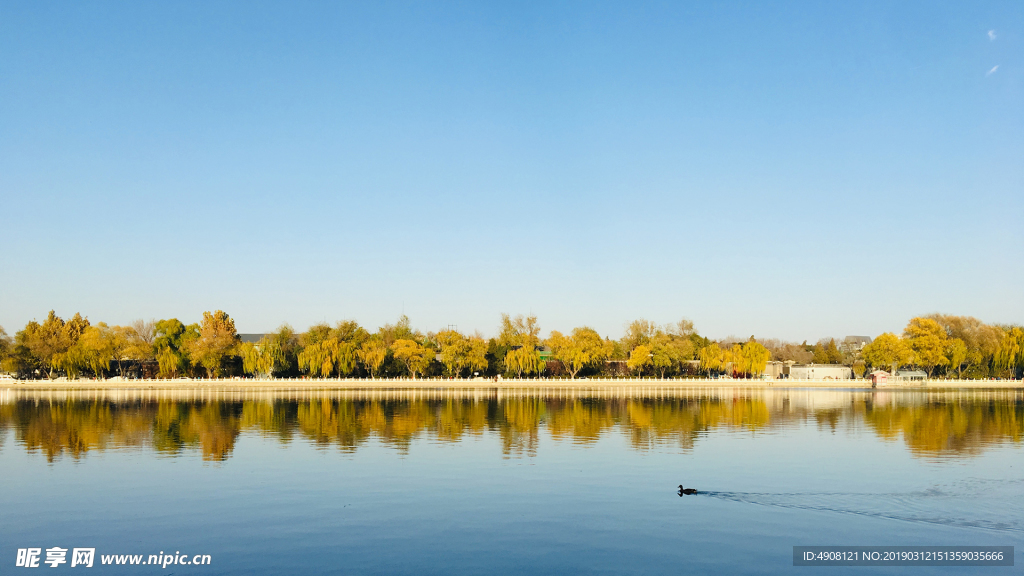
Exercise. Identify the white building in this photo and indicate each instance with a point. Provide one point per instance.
(820, 372)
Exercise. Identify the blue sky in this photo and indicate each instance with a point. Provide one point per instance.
(794, 170)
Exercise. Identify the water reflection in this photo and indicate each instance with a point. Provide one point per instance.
(942, 424)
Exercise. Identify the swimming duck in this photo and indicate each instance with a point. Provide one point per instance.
(686, 490)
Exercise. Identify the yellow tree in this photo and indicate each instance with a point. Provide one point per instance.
(476, 356)
(326, 350)
(98, 348)
(521, 337)
(582, 348)
(169, 362)
(524, 360)
(5, 348)
(982, 340)
(956, 355)
(670, 350)
(455, 349)
(1010, 354)
(928, 342)
(260, 359)
(751, 359)
(51, 338)
(640, 358)
(639, 332)
(71, 361)
(125, 346)
(217, 339)
(411, 353)
(664, 353)
(373, 352)
(318, 358)
(888, 350)
(711, 358)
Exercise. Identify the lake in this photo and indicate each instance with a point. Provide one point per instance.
(543, 481)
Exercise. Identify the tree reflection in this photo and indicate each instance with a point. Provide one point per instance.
(936, 429)
(930, 426)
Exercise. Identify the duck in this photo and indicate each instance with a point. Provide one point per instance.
(686, 490)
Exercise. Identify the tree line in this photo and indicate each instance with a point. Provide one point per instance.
(952, 346)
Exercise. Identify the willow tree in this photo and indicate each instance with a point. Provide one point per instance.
(260, 359)
(71, 361)
(711, 358)
(319, 358)
(751, 359)
(454, 347)
(98, 348)
(326, 351)
(373, 352)
(583, 347)
(171, 342)
(520, 336)
(5, 345)
(524, 360)
(1010, 355)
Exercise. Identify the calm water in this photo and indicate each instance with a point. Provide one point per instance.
(482, 482)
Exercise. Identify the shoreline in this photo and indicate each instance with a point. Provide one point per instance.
(478, 383)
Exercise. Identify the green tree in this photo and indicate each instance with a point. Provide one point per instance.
(671, 351)
(171, 342)
(833, 353)
(820, 354)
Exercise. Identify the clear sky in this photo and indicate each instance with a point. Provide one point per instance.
(789, 169)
